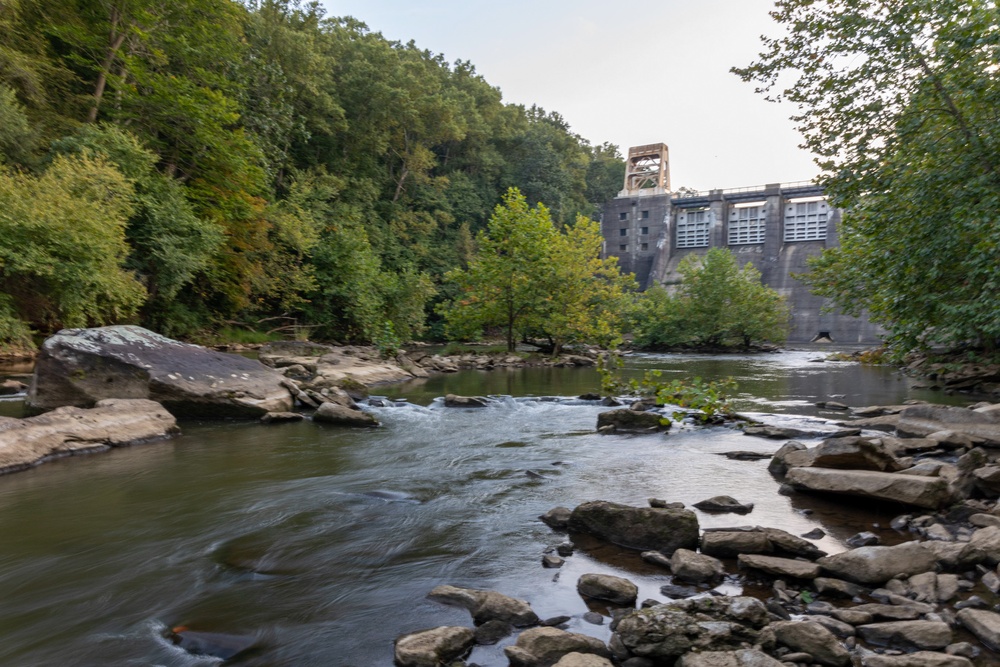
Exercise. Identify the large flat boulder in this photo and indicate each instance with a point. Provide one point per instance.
(643, 528)
(876, 565)
(68, 430)
(918, 421)
(926, 492)
(80, 367)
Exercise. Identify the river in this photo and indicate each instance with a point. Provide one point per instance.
(323, 542)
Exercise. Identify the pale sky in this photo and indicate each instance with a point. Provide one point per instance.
(628, 73)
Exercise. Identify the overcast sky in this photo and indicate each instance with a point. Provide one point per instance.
(628, 73)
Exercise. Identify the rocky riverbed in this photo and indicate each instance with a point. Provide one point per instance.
(930, 600)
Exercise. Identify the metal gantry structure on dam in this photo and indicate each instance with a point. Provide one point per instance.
(777, 227)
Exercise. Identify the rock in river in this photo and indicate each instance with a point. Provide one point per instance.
(486, 605)
(644, 528)
(79, 367)
(333, 413)
(68, 430)
(927, 492)
(615, 590)
(430, 648)
(875, 565)
(543, 647)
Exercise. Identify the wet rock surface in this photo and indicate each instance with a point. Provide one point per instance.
(68, 431)
(78, 367)
(643, 528)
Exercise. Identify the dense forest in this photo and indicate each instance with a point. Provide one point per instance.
(207, 166)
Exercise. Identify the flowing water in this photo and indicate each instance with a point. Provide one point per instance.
(323, 542)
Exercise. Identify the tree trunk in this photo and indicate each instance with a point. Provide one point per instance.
(115, 40)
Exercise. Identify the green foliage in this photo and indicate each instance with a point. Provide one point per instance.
(62, 245)
(280, 164)
(387, 341)
(527, 278)
(898, 102)
(705, 402)
(16, 136)
(717, 304)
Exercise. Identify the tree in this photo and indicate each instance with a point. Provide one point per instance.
(589, 298)
(62, 246)
(898, 102)
(527, 278)
(502, 286)
(717, 303)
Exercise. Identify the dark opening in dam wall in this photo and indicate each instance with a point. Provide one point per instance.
(777, 227)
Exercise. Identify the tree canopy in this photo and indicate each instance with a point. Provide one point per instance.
(716, 304)
(527, 278)
(898, 101)
(275, 165)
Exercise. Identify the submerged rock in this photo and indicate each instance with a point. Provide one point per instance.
(454, 401)
(213, 644)
(79, 367)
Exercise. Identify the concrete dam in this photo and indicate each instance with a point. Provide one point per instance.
(777, 227)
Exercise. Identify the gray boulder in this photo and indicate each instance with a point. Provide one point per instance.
(615, 590)
(985, 625)
(724, 504)
(855, 453)
(631, 420)
(780, 567)
(926, 492)
(875, 565)
(543, 647)
(486, 606)
(66, 431)
(432, 648)
(907, 635)
(731, 542)
(79, 367)
(557, 518)
(780, 463)
(983, 546)
(334, 413)
(918, 421)
(811, 638)
(664, 632)
(643, 528)
(694, 567)
(742, 658)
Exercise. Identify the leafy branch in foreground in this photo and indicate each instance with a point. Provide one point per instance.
(709, 399)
